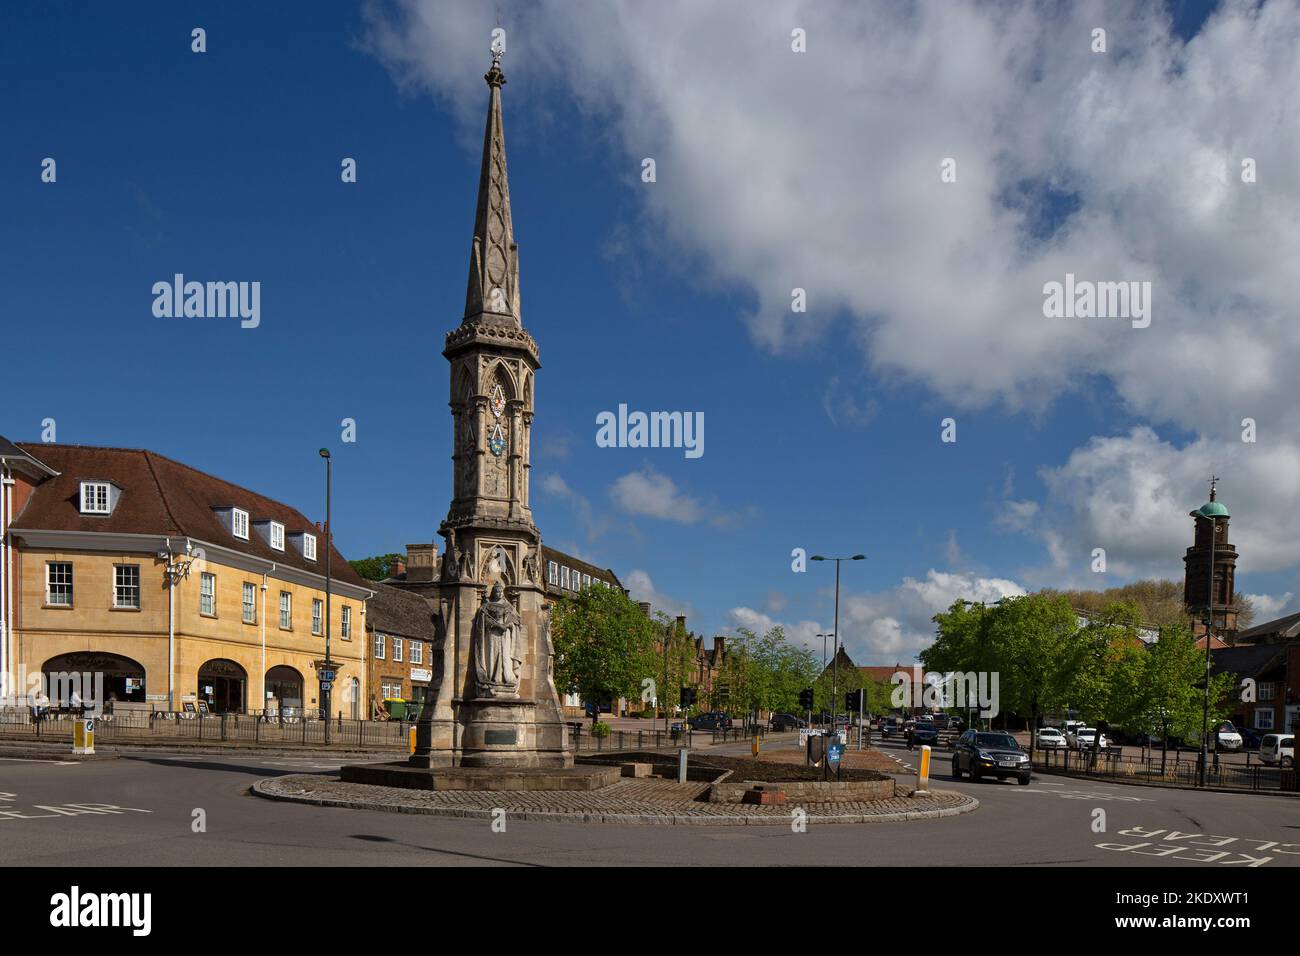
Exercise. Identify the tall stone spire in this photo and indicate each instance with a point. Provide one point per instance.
(492, 293)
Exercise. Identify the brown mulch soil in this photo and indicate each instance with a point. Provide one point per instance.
(853, 760)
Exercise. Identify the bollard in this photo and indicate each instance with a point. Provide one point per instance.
(923, 773)
(83, 735)
(681, 765)
(413, 738)
(756, 745)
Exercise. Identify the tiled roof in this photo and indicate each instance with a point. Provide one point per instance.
(1285, 627)
(1249, 660)
(162, 496)
(396, 611)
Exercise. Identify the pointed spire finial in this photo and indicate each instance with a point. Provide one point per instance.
(1214, 480)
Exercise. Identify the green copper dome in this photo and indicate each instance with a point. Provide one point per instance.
(1213, 509)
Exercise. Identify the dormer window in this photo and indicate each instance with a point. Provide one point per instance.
(239, 523)
(95, 498)
(277, 536)
(309, 547)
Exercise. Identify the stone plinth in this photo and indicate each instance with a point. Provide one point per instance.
(480, 778)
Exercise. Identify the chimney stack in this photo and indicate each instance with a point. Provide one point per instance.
(397, 568)
(644, 606)
(421, 562)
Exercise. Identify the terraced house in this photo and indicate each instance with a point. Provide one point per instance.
(183, 590)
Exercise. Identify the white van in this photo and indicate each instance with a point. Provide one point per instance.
(1278, 749)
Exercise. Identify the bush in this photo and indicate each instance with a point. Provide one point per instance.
(647, 714)
(600, 729)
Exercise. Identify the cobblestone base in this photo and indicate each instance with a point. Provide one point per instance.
(628, 802)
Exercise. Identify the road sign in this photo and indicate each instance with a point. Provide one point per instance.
(834, 752)
(326, 685)
(327, 675)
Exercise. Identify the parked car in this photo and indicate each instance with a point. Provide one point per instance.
(1278, 749)
(1250, 739)
(923, 732)
(890, 725)
(1083, 739)
(1226, 737)
(1049, 738)
(786, 722)
(710, 720)
(983, 753)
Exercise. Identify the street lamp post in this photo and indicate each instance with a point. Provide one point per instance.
(326, 685)
(1205, 511)
(836, 659)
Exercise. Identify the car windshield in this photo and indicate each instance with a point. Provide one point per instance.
(1003, 741)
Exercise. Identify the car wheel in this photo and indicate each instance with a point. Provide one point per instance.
(1024, 780)
(1286, 763)
(956, 768)
(974, 773)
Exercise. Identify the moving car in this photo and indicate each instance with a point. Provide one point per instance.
(889, 725)
(1278, 749)
(786, 722)
(1250, 739)
(1050, 738)
(923, 732)
(986, 753)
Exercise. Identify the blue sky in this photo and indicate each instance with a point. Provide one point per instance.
(822, 430)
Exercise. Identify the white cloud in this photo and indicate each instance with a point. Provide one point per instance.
(1269, 607)
(641, 588)
(655, 495)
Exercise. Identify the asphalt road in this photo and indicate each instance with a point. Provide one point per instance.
(145, 809)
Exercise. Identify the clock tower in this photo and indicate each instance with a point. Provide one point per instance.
(494, 703)
(1210, 547)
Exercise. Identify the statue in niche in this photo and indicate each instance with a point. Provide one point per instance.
(497, 651)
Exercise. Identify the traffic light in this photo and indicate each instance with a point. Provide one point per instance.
(851, 701)
(806, 699)
(688, 697)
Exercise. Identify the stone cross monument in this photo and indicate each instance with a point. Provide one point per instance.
(494, 702)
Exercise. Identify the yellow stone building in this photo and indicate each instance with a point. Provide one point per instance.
(182, 590)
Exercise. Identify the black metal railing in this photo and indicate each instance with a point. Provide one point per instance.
(1174, 768)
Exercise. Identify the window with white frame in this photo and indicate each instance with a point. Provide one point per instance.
(380, 646)
(250, 602)
(391, 691)
(208, 594)
(586, 580)
(1266, 691)
(239, 523)
(317, 608)
(94, 498)
(345, 622)
(126, 586)
(58, 584)
(417, 652)
(1264, 718)
(309, 547)
(552, 573)
(397, 649)
(286, 610)
(277, 536)
(564, 578)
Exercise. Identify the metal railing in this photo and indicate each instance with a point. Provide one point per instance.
(228, 728)
(1171, 768)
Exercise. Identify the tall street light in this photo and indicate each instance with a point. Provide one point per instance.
(326, 686)
(835, 661)
(1212, 511)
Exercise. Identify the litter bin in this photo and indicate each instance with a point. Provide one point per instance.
(677, 732)
(396, 707)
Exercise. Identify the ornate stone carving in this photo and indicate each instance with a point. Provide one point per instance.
(497, 647)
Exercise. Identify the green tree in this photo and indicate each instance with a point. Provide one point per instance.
(375, 568)
(1174, 700)
(1029, 637)
(604, 645)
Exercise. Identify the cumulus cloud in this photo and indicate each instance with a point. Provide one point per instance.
(890, 626)
(820, 171)
(653, 494)
(640, 587)
(1269, 607)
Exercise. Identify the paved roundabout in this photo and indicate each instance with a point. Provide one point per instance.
(630, 801)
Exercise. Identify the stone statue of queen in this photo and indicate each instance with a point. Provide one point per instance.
(497, 647)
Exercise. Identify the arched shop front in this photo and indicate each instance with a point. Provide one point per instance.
(123, 678)
(284, 690)
(222, 684)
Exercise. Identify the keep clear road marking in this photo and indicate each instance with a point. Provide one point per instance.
(52, 763)
(1212, 848)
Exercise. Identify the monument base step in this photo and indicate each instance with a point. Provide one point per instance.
(480, 778)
